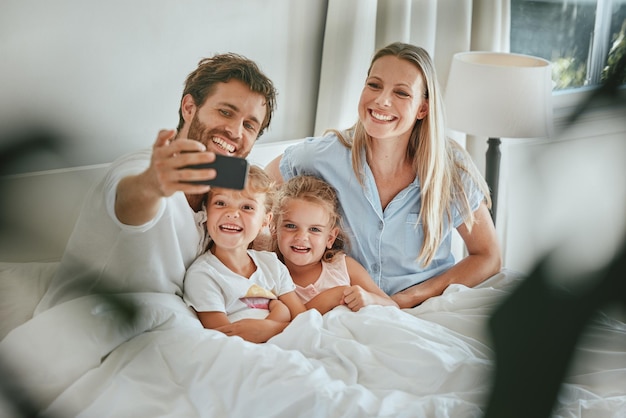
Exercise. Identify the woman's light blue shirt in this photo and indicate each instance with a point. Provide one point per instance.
(386, 242)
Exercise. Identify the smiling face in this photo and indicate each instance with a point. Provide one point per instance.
(235, 218)
(304, 232)
(392, 99)
(228, 122)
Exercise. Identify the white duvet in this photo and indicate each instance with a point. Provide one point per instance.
(82, 359)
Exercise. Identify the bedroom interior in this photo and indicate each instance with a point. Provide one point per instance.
(100, 80)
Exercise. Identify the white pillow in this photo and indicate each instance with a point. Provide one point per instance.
(22, 286)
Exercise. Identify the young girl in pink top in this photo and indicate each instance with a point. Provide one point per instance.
(308, 239)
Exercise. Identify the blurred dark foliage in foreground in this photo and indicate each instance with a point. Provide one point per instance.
(536, 329)
(18, 150)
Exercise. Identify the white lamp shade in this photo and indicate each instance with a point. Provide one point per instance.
(499, 95)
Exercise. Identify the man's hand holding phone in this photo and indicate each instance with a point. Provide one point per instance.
(231, 172)
(192, 168)
(169, 156)
(176, 165)
(138, 197)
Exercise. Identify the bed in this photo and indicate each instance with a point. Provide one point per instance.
(147, 355)
(88, 358)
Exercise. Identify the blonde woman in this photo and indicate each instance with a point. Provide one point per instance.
(403, 186)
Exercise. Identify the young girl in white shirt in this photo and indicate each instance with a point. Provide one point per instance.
(308, 239)
(231, 284)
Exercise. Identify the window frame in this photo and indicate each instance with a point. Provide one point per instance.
(599, 50)
(566, 101)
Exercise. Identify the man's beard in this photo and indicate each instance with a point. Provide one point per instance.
(198, 131)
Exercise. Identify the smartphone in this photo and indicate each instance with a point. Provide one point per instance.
(232, 172)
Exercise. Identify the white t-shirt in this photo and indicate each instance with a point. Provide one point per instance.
(210, 286)
(104, 255)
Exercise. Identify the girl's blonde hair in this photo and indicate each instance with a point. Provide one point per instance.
(316, 191)
(437, 160)
(258, 182)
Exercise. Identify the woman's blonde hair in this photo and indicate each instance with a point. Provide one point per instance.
(316, 191)
(438, 160)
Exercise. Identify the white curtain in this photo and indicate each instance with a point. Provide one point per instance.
(356, 28)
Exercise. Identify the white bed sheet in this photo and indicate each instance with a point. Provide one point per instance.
(431, 361)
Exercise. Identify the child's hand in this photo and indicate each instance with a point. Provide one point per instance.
(355, 297)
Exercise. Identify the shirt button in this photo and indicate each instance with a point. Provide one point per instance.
(375, 268)
(381, 224)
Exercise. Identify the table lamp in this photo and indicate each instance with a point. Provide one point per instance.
(499, 95)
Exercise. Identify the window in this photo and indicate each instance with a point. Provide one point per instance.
(582, 38)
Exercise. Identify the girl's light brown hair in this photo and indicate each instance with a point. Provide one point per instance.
(315, 191)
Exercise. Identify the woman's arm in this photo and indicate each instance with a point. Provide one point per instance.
(484, 260)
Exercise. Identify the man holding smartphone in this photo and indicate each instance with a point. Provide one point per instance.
(142, 225)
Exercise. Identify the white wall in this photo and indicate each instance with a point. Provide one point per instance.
(105, 76)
